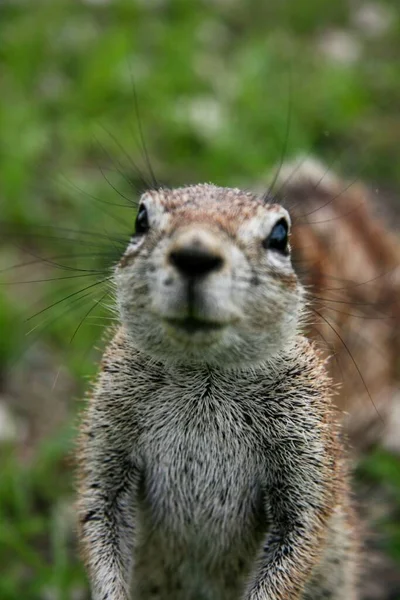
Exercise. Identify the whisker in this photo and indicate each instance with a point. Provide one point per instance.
(267, 195)
(49, 261)
(92, 308)
(117, 191)
(141, 136)
(49, 320)
(81, 191)
(351, 358)
(367, 317)
(67, 298)
(341, 216)
(350, 303)
(143, 181)
(50, 279)
(355, 285)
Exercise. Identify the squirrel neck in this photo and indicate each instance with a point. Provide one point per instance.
(272, 367)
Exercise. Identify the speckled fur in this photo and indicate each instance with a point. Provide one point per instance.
(211, 466)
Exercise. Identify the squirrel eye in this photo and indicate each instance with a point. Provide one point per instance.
(278, 238)
(142, 221)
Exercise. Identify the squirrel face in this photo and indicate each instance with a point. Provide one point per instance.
(207, 277)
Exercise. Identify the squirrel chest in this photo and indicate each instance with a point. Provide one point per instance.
(201, 472)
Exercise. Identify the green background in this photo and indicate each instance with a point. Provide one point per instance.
(224, 89)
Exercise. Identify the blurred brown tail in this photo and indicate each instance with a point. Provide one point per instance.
(350, 264)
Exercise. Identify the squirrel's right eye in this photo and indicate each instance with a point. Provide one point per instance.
(142, 221)
(278, 238)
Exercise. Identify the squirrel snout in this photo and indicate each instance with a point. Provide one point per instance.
(195, 255)
(192, 261)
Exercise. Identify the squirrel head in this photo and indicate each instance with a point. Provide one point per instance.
(207, 278)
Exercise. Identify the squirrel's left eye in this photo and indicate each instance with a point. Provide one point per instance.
(142, 221)
(278, 238)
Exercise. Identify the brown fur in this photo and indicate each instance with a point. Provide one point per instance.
(349, 262)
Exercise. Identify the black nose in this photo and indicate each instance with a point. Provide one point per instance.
(194, 261)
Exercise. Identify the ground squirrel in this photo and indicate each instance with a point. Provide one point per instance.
(211, 465)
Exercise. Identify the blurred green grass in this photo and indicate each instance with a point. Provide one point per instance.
(217, 84)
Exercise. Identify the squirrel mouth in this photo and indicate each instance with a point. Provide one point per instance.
(192, 325)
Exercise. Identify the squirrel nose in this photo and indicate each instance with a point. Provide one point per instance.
(195, 261)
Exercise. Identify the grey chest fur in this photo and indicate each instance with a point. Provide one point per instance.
(201, 499)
